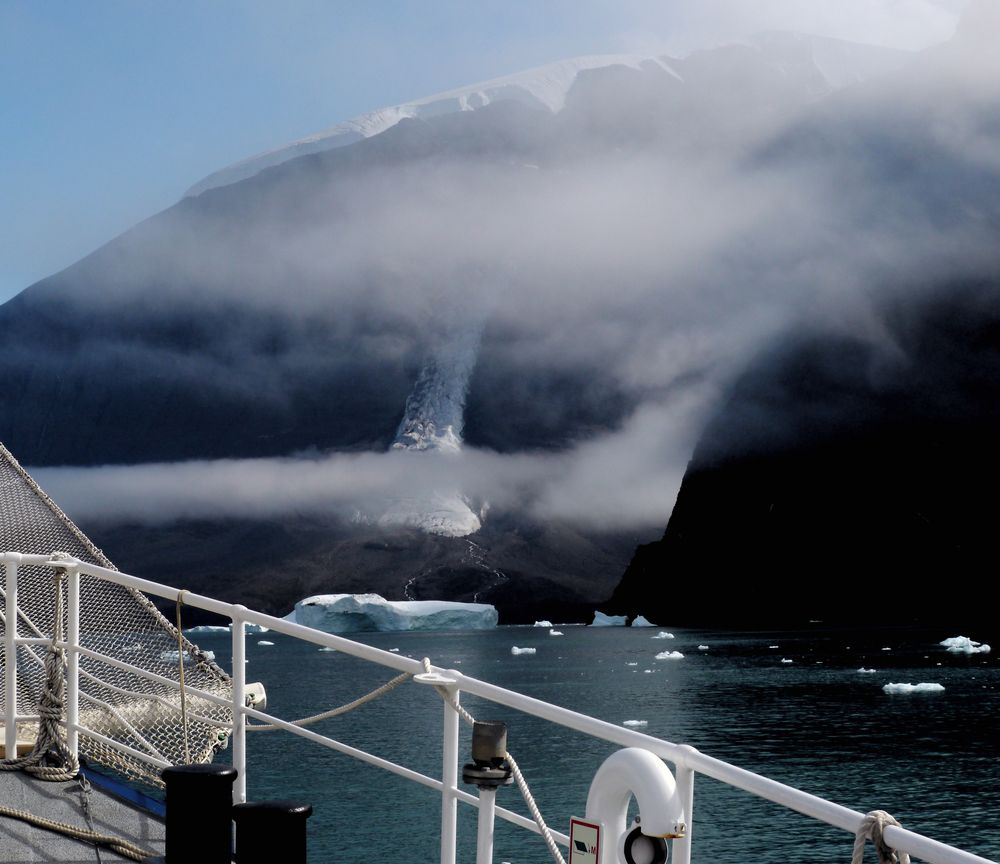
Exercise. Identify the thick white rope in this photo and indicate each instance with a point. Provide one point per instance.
(872, 828)
(515, 771)
(343, 709)
(117, 844)
(51, 740)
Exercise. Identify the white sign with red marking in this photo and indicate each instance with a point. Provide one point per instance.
(584, 842)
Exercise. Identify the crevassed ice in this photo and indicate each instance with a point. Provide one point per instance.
(354, 613)
(602, 620)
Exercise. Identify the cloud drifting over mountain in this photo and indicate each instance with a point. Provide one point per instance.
(644, 242)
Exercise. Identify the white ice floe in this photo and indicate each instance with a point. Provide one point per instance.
(670, 655)
(964, 645)
(786, 660)
(867, 671)
(631, 664)
(649, 671)
(327, 648)
(203, 629)
(772, 646)
(702, 647)
(353, 613)
(886, 649)
(602, 620)
(394, 650)
(264, 642)
(515, 650)
(635, 722)
(642, 621)
(663, 634)
(555, 633)
(543, 623)
(923, 687)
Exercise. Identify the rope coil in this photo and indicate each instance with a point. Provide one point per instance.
(50, 758)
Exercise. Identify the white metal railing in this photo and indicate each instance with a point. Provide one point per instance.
(687, 761)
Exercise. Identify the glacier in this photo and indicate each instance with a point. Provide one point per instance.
(357, 613)
(544, 88)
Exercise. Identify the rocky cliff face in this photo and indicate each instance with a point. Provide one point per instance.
(843, 481)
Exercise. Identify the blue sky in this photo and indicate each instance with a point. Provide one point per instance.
(110, 109)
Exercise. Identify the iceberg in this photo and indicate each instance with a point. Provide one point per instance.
(634, 722)
(866, 671)
(642, 621)
(964, 645)
(543, 623)
(785, 660)
(602, 620)
(356, 613)
(202, 629)
(670, 655)
(663, 634)
(264, 642)
(702, 647)
(555, 633)
(923, 687)
(515, 650)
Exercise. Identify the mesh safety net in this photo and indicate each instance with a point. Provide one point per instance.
(116, 621)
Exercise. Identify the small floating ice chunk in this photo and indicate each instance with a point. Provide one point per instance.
(602, 620)
(923, 687)
(264, 642)
(785, 660)
(886, 649)
(702, 647)
(208, 628)
(648, 671)
(631, 664)
(516, 651)
(635, 722)
(542, 623)
(964, 645)
(670, 655)
(663, 634)
(555, 633)
(642, 621)
(867, 671)
(394, 650)
(327, 648)
(772, 646)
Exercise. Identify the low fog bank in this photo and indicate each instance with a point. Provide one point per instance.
(626, 259)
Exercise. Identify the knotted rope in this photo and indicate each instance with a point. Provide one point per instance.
(872, 828)
(515, 771)
(50, 758)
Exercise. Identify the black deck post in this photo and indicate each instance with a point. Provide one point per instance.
(268, 831)
(199, 813)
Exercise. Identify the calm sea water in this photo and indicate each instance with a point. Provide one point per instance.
(815, 723)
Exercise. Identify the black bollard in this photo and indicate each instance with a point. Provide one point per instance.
(269, 831)
(199, 813)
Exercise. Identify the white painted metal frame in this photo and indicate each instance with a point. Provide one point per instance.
(687, 761)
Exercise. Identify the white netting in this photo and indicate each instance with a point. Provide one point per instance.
(115, 621)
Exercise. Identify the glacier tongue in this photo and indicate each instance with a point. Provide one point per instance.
(354, 613)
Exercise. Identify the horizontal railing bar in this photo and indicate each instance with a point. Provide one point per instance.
(346, 749)
(116, 745)
(31, 640)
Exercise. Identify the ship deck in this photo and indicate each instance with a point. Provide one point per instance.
(21, 843)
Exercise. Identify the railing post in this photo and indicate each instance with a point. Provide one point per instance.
(239, 703)
(10, 654)
(73, 659)
(685, 789)
(484, 828)
(449, 777)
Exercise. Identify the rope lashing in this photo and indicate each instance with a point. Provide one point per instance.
(515, 771)
(50, 758)
(872, 828)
